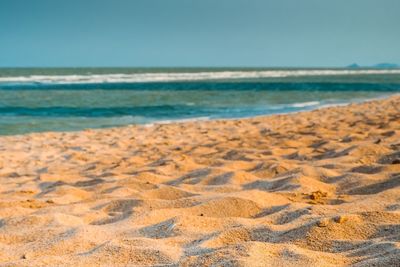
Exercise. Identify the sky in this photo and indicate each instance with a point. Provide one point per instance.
(214, 33)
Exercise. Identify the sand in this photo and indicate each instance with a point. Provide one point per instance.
(319, 188)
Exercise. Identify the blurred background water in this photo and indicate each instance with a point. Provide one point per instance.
(35, 100)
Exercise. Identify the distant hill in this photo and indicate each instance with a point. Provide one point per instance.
(354, 66)
(378, 66)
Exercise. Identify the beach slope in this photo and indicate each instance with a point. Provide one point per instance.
(318, 188)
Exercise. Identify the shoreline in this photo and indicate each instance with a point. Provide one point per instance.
(311, 188)
(205, 119)
(202, 119)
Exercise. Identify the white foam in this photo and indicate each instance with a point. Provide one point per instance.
(305, 104)
(180, 120)
(185, 76)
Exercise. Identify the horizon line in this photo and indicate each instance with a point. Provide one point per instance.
(205, 67)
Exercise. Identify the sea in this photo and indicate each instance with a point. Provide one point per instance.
(73, 99)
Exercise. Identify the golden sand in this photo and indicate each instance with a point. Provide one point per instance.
(319, 188)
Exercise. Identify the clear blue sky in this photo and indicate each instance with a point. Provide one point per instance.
(199, 32)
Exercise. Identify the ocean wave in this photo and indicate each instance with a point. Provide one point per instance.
(305, 104)
(184, 76)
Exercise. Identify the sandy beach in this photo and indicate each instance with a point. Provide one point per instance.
(318, 188)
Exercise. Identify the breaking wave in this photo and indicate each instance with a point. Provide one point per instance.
(184, 76)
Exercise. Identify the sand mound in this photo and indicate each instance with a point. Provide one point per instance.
(167, 193)
(227, 207)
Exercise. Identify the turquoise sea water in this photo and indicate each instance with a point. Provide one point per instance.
(34, 100)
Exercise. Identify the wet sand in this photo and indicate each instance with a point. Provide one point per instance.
(319, 188)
